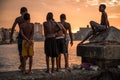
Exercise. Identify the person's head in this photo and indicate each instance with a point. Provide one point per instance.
(102, 7)
(26, 16)
(23, 10)
(62, 17)
(49, 16)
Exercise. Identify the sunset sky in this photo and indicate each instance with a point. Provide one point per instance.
(78, 12)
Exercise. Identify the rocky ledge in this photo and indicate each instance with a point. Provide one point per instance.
(75, 74)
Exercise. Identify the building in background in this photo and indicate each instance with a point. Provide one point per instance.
(38, 34)
(0, 35)
(80, 35)
(5, 35)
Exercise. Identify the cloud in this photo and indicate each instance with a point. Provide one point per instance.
(114, 3)
(114, 16)
(109, 3)
(78, 9)
(77, 0)
(92, 2)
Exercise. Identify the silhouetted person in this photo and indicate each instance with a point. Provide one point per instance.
(27, 32)
(61, 43)
(68, 37)
(97, 28)
(19, 20)
(50, 45)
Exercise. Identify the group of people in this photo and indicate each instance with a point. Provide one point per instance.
(56, 38)
(56, 41)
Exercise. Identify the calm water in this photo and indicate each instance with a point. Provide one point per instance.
(9, 59)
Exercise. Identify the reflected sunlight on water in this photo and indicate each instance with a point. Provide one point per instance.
(9, 59)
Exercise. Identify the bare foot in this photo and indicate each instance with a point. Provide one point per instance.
(52, 70)
(24, 71)
(57, 69)
(29, 72)
(47, 71)
(68, 68)
(20, 67)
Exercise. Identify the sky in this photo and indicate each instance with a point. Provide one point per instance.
(78, 12)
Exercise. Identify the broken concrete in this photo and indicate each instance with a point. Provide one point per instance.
(103, 48)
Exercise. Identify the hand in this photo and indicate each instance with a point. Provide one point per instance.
(71, 43)
(28, 43)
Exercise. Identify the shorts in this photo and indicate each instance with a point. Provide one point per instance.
(61, 45)
(50, 47)
(27, 51)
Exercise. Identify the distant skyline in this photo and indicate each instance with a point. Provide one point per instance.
(78, 12)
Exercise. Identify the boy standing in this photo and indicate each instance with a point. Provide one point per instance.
(68, 34)
(50, 45)
(19, 20)
(27, 32)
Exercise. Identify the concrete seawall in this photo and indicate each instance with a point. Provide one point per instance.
(75, 74)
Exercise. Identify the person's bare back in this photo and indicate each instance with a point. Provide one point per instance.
(49, 28)
(27, 29)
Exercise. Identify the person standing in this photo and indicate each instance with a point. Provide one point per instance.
(69, 36)
(50, 46)
(19, 20)
(27, 32)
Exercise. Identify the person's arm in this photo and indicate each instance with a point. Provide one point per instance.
(44, 29)
(12, 30)
(64, 30)
(70, 33)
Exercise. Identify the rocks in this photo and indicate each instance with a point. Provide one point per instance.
(41, 75)
(111, 34)
(103, 48)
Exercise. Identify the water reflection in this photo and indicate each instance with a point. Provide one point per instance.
(9, 59)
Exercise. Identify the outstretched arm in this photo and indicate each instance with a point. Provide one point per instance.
(70, 33)
(12, 31)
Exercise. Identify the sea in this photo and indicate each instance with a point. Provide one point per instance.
(9, 57)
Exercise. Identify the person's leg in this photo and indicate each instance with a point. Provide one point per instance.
(57, 63)
(65, 51)
(20, 52)
(30, 64)
(21, 58)
(47, 63)
(52, 60)
(66, 60)
(95, 26)
(24, 65)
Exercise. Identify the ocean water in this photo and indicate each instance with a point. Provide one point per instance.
(9, 58)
